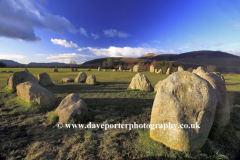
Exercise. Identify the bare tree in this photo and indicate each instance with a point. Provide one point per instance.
(72, 63)
(211, 68)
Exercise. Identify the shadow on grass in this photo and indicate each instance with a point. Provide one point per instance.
(234, 97)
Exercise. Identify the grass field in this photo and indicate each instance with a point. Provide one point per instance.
(29, 132)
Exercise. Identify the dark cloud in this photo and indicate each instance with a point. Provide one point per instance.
(20, 16)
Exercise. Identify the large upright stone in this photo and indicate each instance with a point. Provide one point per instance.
(180, 68)
(81, 78)
(157, 85)
(140, 81)
(88, 69)
(183, 98)
(44, 79)
(71, 106)
(55, 69)
(130, 70)
(120, 68)
(222, 115)
(159, 71)
(152, 69)
(20, 77)
(136, 68)
(71, 69)
(32, 92)
(156, 70)
(168, 71)
(75, 69)
(91, 79)
(99, 68)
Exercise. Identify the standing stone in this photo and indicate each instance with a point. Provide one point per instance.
(71, 106)
(140, 81)
(222, 115)
(67, 80)
(183, 98)
(32, 92)
(44, 79)
(88, 69)
(160, 71)
(91, 79)
(130, 70)
(114, 70)
(157, 85)
(120, 68)
(71, 69)
(168, 71)
(156, 70)
(26, 70)
(99, 68)
(136, 68)
(55, 69)
(81, 78)
(104, 70)
(75, 69)
(180, 68)
(152, 69)
(20, 77)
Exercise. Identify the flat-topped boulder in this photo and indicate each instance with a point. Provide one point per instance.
(120, 68)
(222, 115)
(136, 68)
(140, 81)
(20, 77)
(114, 70)
(130, 70)
(152, 70)
(71, 106)
(55, 69)
(44, 79)
(159, 71)
(88, 69)
(104, 70)
(32, 92)
(183, 98)
(67, 80)
(81, 78)
(91, 79)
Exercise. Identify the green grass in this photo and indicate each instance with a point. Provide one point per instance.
(28, 131)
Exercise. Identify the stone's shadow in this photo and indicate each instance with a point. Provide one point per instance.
(232, 83)
(234, 97)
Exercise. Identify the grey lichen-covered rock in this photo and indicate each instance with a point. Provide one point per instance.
(55, 69)
(152, 69)
(88, 69)
(130, 70)
(160, 71)
(75, 69)
(99, 68)
(44, 79)
(180, 68)
(157, 85)
(222, 115)
(114, 70)
(71, 69)
(183, 98)
(71, 106)
(32, 92)
(91, 79)
(168, 71)
(81, 78)
(20, 77)
(140, 81)
(120, 68)
(67, 80)
(136, 68)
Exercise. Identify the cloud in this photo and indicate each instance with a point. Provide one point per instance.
(13, 56)
(18, 18)
(113, 51)
(95, 36)
(80, 49)
(233, 51)
(156, 41)
(83, 32)
(40, 54)
(217, 44)
(67, 57)
(63, 43)
(112, 33)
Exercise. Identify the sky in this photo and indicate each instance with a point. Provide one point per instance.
(82, 30)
